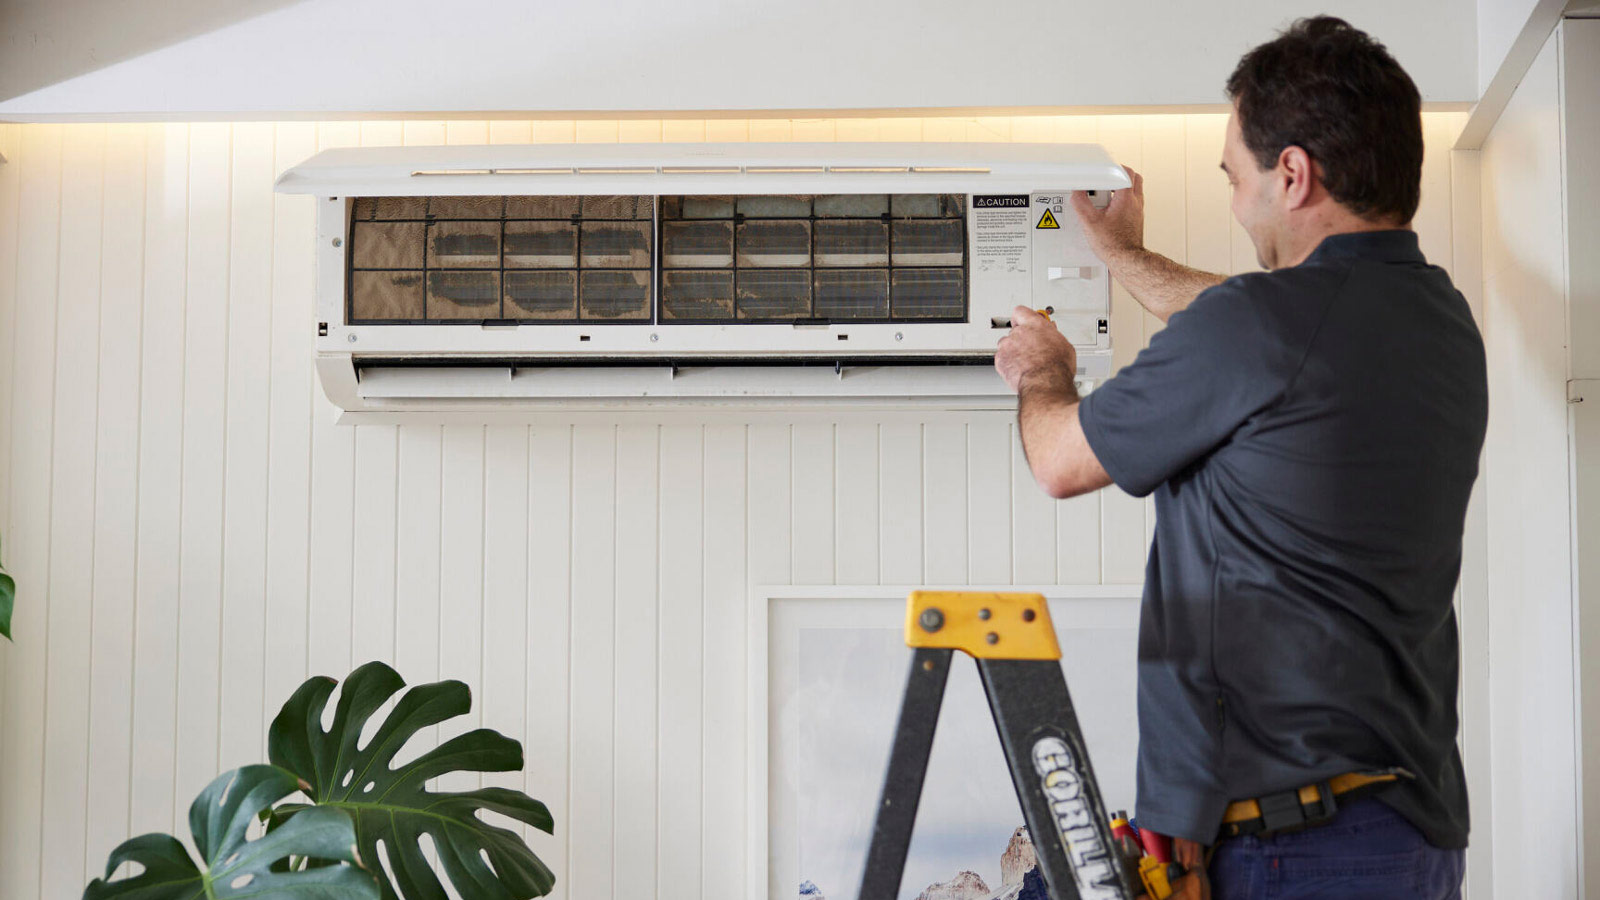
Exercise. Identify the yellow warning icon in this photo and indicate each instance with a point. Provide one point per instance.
(1047, 221)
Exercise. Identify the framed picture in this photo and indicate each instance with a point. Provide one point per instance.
(828, 668)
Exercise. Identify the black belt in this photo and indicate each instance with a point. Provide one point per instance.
(1302, 807)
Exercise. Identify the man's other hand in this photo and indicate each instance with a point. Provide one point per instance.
(1035, 352)
(1119, 228)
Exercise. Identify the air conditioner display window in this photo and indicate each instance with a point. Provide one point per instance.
(432, 260)
(673, 260)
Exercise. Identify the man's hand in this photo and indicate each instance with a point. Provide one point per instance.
(1036, 353)
(1116, 235)
(1118, 230)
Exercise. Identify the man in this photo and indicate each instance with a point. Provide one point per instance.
(1311, 434)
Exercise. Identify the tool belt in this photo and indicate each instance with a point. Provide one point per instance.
(1302, 807)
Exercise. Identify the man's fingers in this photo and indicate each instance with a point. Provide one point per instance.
(1025, 316)
(1082, 205)
(1188, 852)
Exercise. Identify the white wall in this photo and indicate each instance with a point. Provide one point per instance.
(191, 537)
(1532, 672)
(1580, 127)
(411, 56)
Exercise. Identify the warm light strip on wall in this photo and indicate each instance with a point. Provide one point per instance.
(427, 172)
(549, 170)
(616, 170)
(700, 170)
(868, 170)
(952, 170)
(784, 170)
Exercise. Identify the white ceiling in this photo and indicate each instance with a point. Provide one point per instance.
(259, 58)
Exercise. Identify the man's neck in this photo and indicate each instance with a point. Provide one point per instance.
(1305, 239)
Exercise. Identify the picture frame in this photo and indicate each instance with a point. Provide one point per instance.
(821, 727)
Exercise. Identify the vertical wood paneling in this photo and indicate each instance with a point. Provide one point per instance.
(116, 479)
(674, 817)
(1209, 216)
(550, 554)
(812, 490)
(642, 467)
(205, 336)
(722, 764)
(289, 411)
(152, 797)
(72, 513)
(193, 534)
(944, 503)
(1078, 538)
(767, 451)
(590, 790)
(900, 502)
(27, 539)
(461, 539)
(417, 582)
(989, 502)
(855, 503)
(373, 541)
(502, 686)
(1164, 165)
(244, 523)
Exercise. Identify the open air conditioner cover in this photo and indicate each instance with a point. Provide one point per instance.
(472, 278)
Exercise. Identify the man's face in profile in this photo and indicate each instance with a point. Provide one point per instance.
(1257, 197)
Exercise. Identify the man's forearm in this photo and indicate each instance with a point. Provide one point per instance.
(1161, 285)
(1053, 439)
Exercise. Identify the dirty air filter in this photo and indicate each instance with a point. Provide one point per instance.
(542, 260)
(817, 258)
(596, 258)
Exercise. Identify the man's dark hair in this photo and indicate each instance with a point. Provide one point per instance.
(1336, 93)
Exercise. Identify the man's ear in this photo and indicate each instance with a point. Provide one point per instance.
(1299, 174)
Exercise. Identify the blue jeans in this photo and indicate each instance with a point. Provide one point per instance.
(1368, 851)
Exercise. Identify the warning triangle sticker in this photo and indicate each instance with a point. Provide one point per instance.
(1047, 221)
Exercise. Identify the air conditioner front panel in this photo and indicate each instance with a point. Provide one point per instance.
(850, 258)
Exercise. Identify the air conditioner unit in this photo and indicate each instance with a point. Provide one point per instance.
(491, 279)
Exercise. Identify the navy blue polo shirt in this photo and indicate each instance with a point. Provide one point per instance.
(1311, 435)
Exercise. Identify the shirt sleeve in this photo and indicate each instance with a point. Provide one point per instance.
(1216, 364)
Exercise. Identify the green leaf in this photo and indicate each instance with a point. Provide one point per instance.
(393, 805)
(233, 867)
(8, 600)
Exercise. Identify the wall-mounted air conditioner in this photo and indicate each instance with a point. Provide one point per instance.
(470, 279)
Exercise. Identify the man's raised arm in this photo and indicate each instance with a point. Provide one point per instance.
(1116, 235)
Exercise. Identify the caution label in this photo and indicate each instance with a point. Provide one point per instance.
(1048, 220)
(1000, 234)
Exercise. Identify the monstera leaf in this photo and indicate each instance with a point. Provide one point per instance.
(8, 597)
(234, 867)
(393, 805)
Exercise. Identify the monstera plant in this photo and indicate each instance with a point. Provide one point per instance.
(392, 804)
(354, 798)
(8, 596)
(232, 866)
